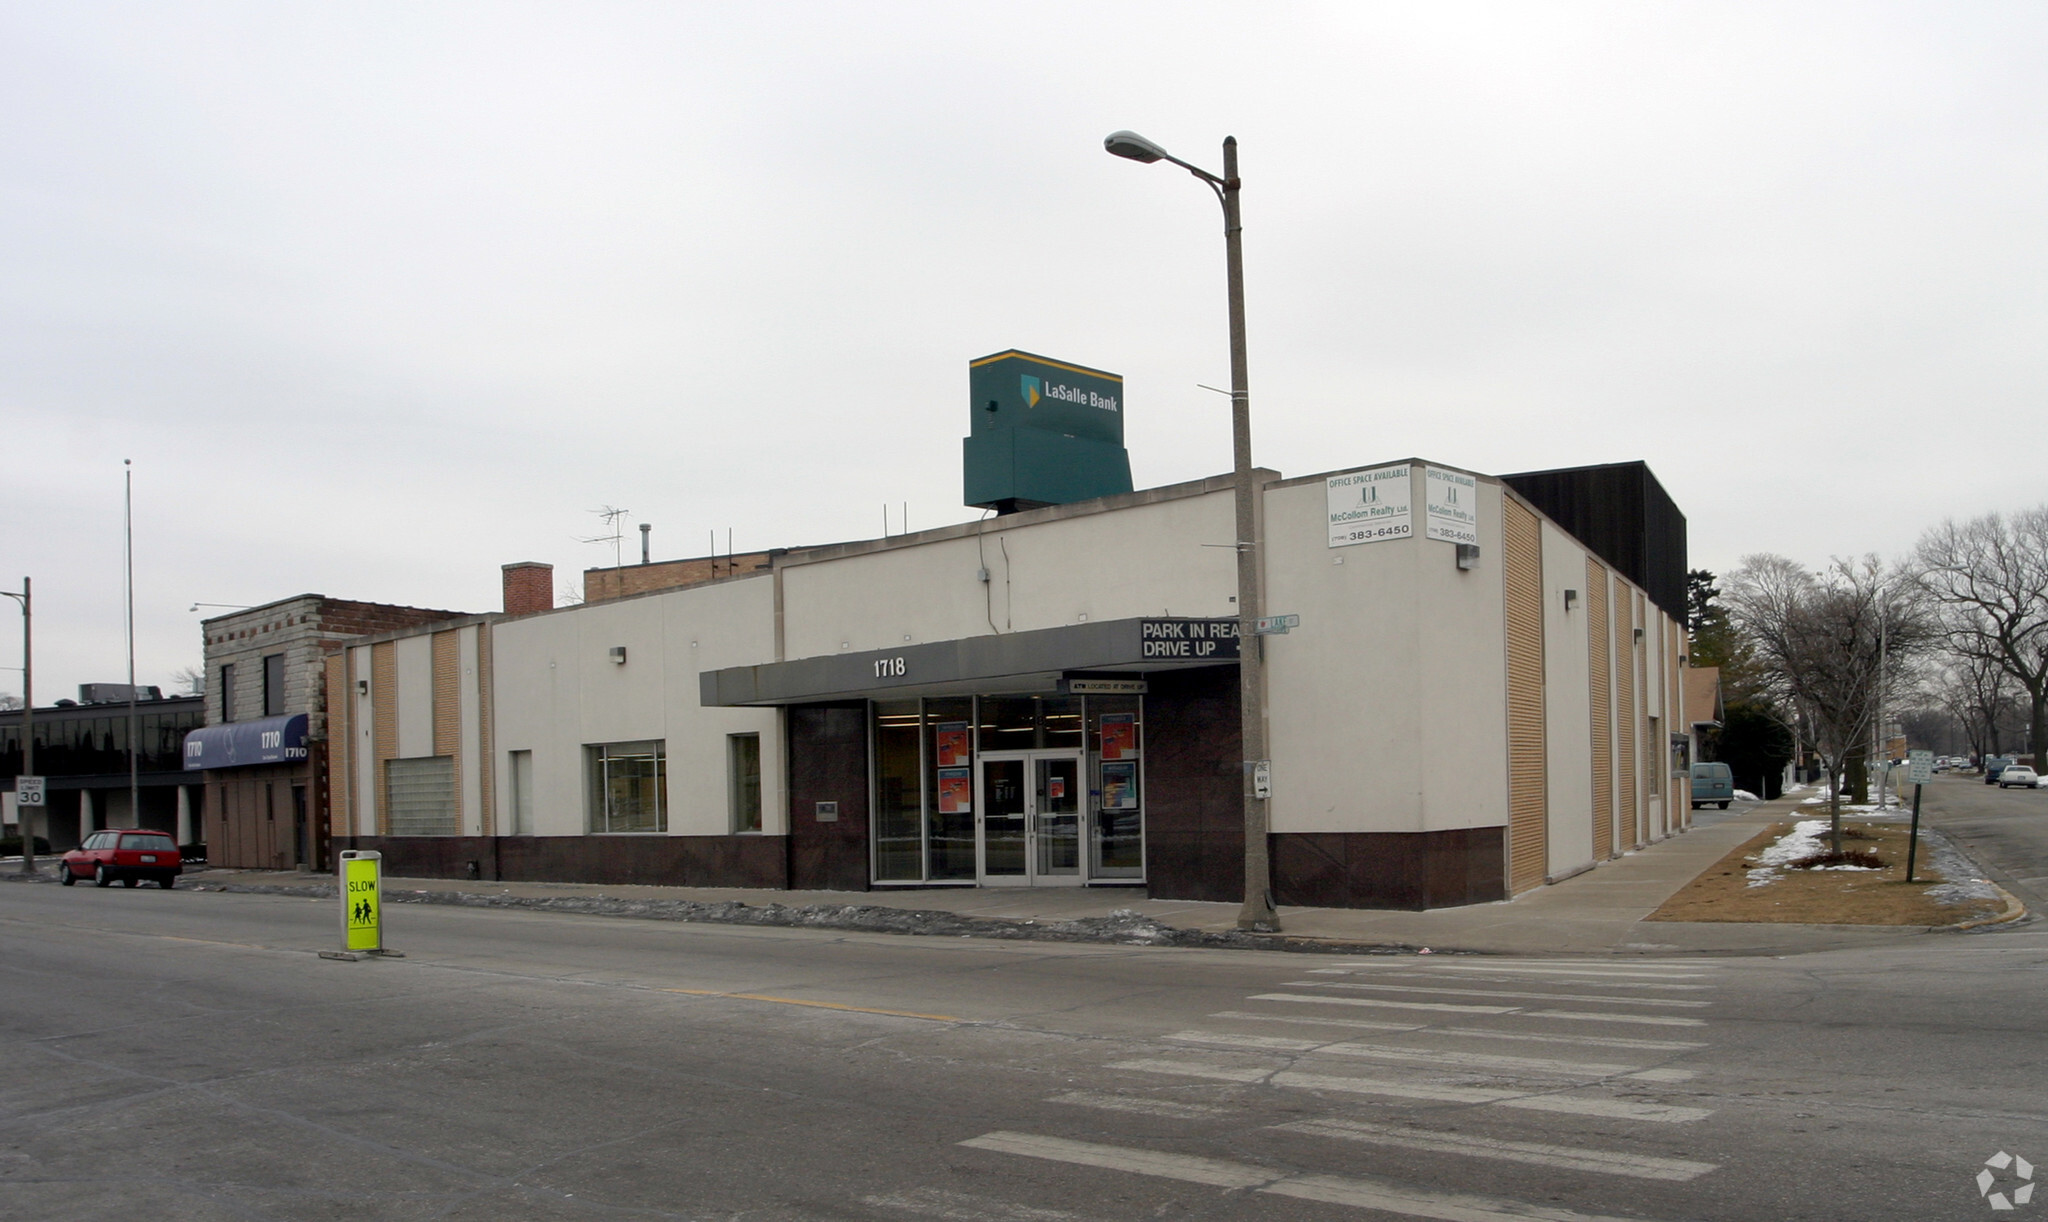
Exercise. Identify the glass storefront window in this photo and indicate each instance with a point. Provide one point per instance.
(899, 800)
(1116, 739)
(926, 753)
(949, 788)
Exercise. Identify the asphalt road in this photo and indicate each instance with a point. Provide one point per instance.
(185, 1055)
(2006, 830)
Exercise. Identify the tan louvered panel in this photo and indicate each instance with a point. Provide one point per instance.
(1625, 709)
(448, 705)
(1600, 679)
(1528, 852)
(383, 730)
(1678, 789)
(486, 774)
(339, 740)
(1646, 750)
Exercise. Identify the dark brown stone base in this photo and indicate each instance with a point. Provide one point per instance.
(671, 861)
(1406, 870)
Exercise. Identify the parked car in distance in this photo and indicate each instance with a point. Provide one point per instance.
(1712, 785)
(129, 854)
(1995, 764)
(2017, 776)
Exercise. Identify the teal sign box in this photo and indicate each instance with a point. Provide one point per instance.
(1043, 432)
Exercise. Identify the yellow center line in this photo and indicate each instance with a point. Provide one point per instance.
(821, 1005)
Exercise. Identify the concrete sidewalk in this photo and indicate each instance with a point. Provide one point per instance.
(1601, 911)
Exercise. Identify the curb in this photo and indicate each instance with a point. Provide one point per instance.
(1122, 927)
(2014, 910)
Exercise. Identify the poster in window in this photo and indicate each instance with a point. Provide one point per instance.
(956, 791)
(1119, 736)
(1120, 786)
(952, 744)
(1055, 787)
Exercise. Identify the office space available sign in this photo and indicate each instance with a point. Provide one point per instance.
(1371, 506)
(1450, 506)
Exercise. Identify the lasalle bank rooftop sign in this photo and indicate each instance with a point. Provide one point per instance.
(1020, 390)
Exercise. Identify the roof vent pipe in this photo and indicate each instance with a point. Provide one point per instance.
(645, 528)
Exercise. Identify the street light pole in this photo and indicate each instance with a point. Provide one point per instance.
(1257, 913)
(128, 531)
(28, 721)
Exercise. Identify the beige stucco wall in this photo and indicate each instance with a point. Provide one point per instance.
(363, 790)
(1046, 569)
(415, 662)
(1567, 706)
(1384, 707)
(470, 730)
(557, 691)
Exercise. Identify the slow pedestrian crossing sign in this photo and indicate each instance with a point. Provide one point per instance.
(362, 917)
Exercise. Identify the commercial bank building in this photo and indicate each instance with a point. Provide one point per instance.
(1484, 690)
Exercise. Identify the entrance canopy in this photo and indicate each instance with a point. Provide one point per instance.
(1041, 660)
(239, 744)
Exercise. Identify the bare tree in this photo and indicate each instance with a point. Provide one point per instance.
(1976, 691)
(9, 701)
(190, 680)
(1990, 578)
(1830, 648)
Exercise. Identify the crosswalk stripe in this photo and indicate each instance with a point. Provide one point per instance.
(1425, 1056)
(1358, 1191)
(1359, 1024)
(1194, 1069)
(1606, 1162)
(1614, 1109)
(1417, 988)
(1588, 1041)
(1478, 1060)
(1273, 1042)
(1191, 1168)
(1513, 978)
(1695, 966)
(1439, 1007)
(1658, 1020)
(1571, 971)
(1146, 1107)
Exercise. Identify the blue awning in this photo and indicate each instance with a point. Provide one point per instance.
(238, 744)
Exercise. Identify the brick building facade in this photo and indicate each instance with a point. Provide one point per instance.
(267, 664)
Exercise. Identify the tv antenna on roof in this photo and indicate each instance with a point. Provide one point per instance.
(612, 517)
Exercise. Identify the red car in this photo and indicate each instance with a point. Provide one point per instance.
(130, 854)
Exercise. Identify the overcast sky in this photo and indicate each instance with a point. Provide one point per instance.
(381, 296)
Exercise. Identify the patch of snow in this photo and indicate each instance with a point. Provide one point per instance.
(1743, 795)
(1803, 841)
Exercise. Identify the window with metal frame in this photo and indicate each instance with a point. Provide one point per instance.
(628, 787)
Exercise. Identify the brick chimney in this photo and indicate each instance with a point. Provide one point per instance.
(529, 587)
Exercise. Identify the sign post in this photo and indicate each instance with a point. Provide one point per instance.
(362, 906)
(1919, 770)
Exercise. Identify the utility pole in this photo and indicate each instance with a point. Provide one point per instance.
(28, 721)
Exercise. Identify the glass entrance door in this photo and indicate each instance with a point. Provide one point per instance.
(1030, 824)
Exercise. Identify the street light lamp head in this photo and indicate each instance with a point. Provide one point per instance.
(1133, 146)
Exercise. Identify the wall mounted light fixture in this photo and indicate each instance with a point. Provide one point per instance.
(1468, 555)
(618, 655)
(1571, 599)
